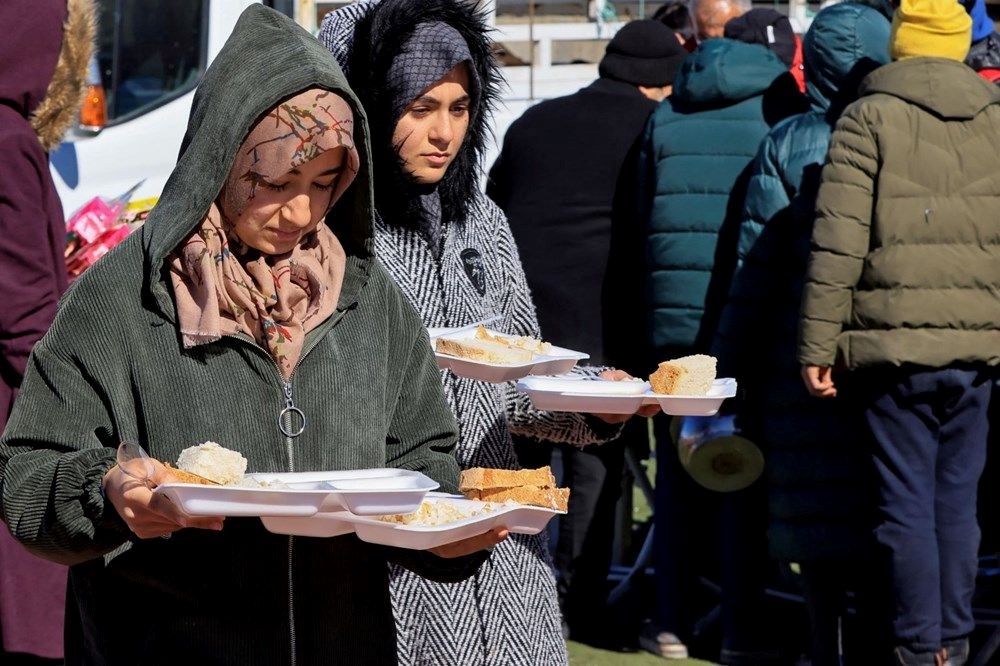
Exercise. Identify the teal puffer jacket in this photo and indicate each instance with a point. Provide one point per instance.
(811, 445)
(697, 144)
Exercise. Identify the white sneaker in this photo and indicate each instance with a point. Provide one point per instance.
(661, 643)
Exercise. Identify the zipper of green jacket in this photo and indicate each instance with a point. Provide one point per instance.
(286, 429)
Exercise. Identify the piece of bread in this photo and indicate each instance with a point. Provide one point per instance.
(483, 350)
(214, 462)
(478, 478)
(180, 476)
(689, 375)
(550, 498)
(515, 341)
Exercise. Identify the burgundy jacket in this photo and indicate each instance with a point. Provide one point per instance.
(32, 278)
(32, 227)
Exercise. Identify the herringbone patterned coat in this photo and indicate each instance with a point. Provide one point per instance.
(507, 613)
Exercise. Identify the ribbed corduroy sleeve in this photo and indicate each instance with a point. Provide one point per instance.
(841, 237)
(422, 430)
(53, 456)
(422, 435)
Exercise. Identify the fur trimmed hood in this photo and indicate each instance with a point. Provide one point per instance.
(45, 55)
(366, 38)
(67, 87)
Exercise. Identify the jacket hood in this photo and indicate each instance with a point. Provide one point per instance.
(845, 43)
(266, 59)
(366, 45)
(724, 71)
(946, 88)
(29, 51)
(45, 60)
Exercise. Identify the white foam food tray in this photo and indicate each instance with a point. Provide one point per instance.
(590, 396)
(517, 518)
(361, 491)
(558, 361)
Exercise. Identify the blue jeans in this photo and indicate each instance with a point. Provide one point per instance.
(929, 429)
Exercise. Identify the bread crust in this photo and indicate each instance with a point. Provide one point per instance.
(666, 378)
(688, 375)
(550, 498)
(180, 476)
(485, 477)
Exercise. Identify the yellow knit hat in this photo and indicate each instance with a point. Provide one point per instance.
(937, 28)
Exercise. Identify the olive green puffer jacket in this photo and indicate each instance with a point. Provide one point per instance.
(905, 266)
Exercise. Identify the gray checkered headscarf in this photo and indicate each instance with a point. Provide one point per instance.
(430, 53)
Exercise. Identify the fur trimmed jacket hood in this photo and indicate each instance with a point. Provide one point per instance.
(366, 37)
(45, 63)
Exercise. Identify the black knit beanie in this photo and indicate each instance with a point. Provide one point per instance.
(643, 53)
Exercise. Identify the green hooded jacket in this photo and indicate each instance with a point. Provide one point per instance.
(905, 266)
(112, 369)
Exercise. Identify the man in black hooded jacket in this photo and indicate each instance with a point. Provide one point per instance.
(565, 179)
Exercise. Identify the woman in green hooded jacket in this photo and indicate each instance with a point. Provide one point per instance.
(251, 292)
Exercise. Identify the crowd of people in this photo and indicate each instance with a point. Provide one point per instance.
(817, 212)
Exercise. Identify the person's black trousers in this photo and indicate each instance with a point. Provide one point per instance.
(699, 532)
(583, 551)
(929, 429)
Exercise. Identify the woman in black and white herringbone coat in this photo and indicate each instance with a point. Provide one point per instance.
(451, 251)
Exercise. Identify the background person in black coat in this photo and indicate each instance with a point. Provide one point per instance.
(566, 178)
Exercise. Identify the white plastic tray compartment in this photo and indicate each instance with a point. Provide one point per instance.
(368, 491)
(519, 519)
(299, 498)
(379, 492)
(558, 361)
(561, 396)
(580, 385)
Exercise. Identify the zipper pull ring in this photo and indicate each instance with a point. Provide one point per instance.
(296, 421)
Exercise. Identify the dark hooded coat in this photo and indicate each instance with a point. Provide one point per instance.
(112, 368)
(815, 464)
(508, 612)
(566, 179)
(41, 82)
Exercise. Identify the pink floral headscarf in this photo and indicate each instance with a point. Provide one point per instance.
(221, 287)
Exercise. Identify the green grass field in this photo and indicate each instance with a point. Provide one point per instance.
(584, 655)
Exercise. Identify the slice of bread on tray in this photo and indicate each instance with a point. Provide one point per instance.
(536, 487)
(688, 375)
(496, 349)
(479, 478)
(483, 350)
(516, 341)
(550, 498)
